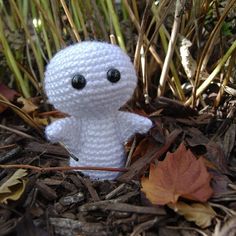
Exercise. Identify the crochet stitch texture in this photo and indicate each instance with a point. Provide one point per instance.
(90, 81)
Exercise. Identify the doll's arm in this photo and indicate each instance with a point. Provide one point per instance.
(58, 131)
(130, 123)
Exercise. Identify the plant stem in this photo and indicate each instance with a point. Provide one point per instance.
(204, 55)
(70, 20)
(226, 79)
(12, 62)
(176, 79)
(171, 47)
(116, 24)
(36, 53)
(81, 19)
(211, 77)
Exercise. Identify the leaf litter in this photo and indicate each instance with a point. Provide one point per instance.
(201, 214)
(13, 188)
(66, 203)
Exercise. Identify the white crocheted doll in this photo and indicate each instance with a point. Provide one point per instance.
(90, 81)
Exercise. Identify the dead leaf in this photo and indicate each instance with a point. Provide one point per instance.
(142, 148)
(199, 213)
(41, 121)
(139, 166)
(8, 93)
(189, 64)
(28, 105)
(157, 132)
(220, 184)
(229, 140)
(195, 137)
(13, 188)
(27, 118)
(215, 154)
(179, 175)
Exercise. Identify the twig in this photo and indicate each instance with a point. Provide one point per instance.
(144, 226)
(47, 148)
(10, 155)
(20, 133)
(122, 207)
(187, 228)
(144, 75)
(55, 113)
(228, 211)
(7, 146)
(227, 229)
(130, 153)
(90, 188)
(114, 192)
(62, 168)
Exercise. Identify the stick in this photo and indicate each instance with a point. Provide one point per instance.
(62, 168)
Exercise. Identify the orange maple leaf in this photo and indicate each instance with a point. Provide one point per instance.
(179, 175)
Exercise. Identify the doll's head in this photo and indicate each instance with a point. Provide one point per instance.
(89, 78)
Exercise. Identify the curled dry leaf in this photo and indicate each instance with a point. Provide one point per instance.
(199, 213)
(179, 175)
(189, 64)
(13, 188)
(28, 105)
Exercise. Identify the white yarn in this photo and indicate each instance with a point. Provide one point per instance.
(96, 131)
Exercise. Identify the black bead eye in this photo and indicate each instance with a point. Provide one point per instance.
(78, 81)
(113, 75)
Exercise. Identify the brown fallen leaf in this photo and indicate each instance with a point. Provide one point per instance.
(179, 175)
(201, 214)
(139, 166)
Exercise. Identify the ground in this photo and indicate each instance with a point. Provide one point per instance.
(60, 202)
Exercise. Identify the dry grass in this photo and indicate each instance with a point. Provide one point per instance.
(157, 35)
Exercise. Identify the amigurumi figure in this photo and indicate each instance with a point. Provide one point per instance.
(90, 81)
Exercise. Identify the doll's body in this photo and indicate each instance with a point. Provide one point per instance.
(90, 81)
(98, 142)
